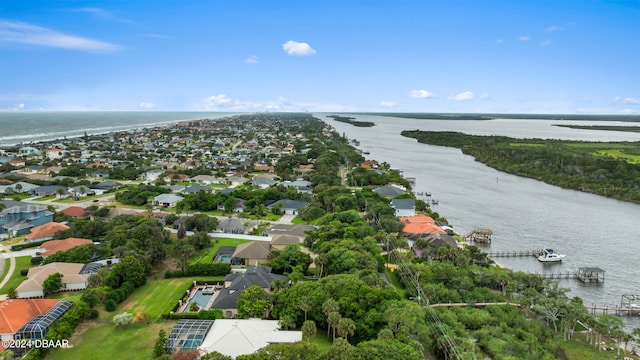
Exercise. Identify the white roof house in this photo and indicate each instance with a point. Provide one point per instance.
(167, 200)
(233, 337)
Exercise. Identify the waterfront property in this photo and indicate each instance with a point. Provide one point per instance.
(18, 218)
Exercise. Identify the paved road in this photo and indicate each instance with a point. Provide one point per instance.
(12, 265)
(104, 200)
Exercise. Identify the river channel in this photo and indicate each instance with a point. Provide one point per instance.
(523, 213)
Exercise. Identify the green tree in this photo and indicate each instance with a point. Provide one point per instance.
(123, 319)
(309, 329)
(253, 302)
(200, 240)
(128, 269)
(346, 327)
(52, 283)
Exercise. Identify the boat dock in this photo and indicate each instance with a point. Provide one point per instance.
(512, 253)
(478, 235)
(583, 274)
(594, 309)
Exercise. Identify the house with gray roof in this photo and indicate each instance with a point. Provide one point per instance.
(288, 207)
(227, 299)
(167, 200)
(236, 226)
(389, 191)
(18, 218)
(404, 207)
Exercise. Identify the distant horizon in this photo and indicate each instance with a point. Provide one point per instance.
(320, 112)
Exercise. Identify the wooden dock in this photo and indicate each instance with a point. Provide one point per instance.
(595, 309)
(512, 253)
(478, 235)
(583, 274)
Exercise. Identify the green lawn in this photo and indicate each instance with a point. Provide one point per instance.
(104, 341)
(22, 262)
(577, 348)
(159, 296)
(207, 257)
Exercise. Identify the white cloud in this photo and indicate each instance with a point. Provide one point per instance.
(147, 105)
(630, 112)
(222, 102)
(420, 94)
(524, 38)
(23, 33)
(484, 96)
(545, 43)
(466, 95)
(252, 60)
(18, 107)
(552, 28)
(627, 100)
(298, 48)
(387, 104)
(104, 14)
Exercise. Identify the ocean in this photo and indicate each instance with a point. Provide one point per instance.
(24, 127)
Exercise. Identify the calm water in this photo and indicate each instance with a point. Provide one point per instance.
(523, 213)
(27, 126)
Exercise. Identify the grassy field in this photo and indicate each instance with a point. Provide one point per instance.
(22, 262)
(619, 154)
(207, 257)
(158, 297)
(105, 341)
(578, 348)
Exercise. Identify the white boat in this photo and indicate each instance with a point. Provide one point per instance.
(548, 255)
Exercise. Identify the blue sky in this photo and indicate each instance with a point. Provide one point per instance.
(538, 56)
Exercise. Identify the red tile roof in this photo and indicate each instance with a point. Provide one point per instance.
(75, 211)
(54, 246)
(45, 230)
(15, 313)
(420, 225)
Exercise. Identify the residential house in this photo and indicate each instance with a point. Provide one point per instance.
(205, 179)
(81, 191)
(197, 189)
(28, 151)
(45, 231)
(238, 207)
(420, 225)
(71, 279)
(151, 175)
(281, 241)
(17, 217)
(252, 253)
(28, 318)
(235, 337)
(19, 187)
(236, 225)
(297, 230)
(389, 191)
(53, 246)
(288, 207)
(55, 153)
(75, 212)
(167, 200)
(404, 207)
(227, 299)
(50, 190)
(263, 182)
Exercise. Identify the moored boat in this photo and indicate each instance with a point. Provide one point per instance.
(548, 255)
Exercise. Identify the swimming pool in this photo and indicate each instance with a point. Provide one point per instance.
(200, 298)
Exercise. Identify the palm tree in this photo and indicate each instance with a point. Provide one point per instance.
(332, 321)
(346, 327)
(328, 307)
(305, 305)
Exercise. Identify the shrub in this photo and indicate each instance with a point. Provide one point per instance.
(24, 272)
(36, 260)
(123, 319)
(210, 314)
(110, 305)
